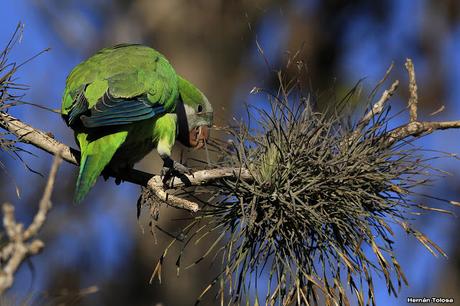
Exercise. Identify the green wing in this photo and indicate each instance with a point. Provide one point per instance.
(119, 85)
(115, 87)
(95, 155)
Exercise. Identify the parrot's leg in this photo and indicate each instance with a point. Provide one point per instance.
(165, 134)
(171, 164)
(116, 169)
(121, 170)
(105, 175)
(171, 168)
(109, 172)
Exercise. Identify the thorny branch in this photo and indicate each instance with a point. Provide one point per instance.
(18, 247)
(46, 142)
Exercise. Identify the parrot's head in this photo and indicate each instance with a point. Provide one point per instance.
(194, 114)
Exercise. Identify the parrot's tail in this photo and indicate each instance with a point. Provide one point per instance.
(95, 156)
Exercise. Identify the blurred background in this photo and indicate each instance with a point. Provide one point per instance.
(213, 43)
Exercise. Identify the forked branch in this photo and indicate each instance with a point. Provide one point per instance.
(19, 247)
(415, 127)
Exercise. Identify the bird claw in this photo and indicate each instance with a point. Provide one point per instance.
(177, 170)
(181, 169)
(105, 175)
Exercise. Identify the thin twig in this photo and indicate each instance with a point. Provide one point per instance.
(414, 127)
(439, 110)
(413, 99)
(378, 107)
(45, 203)
(380, 83)
(18, 248)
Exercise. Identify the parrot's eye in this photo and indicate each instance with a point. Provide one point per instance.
(200, 108)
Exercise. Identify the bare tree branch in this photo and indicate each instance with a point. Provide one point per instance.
(419, 128)
(18, 248)
(379, 106)
(414, 127)
(44, 141)
(45, 203)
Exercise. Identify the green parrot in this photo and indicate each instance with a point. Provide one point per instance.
(126, 100)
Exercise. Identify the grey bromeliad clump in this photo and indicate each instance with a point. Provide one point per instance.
(315, 216)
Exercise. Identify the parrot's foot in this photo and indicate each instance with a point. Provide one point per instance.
(115, 173)
(174, 169)
(105, 175)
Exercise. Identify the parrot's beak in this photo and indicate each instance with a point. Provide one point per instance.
(198, 136)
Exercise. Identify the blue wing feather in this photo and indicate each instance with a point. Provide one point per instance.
(110, 110)
(80, 106)
(107, 121)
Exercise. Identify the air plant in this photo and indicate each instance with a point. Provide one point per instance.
(316, 217)
(9, 88)
(11, 94)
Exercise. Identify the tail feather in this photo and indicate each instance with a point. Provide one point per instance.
(96, 155)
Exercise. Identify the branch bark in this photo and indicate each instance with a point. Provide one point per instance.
(413, 100)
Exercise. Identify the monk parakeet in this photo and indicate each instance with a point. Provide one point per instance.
(125, 101)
